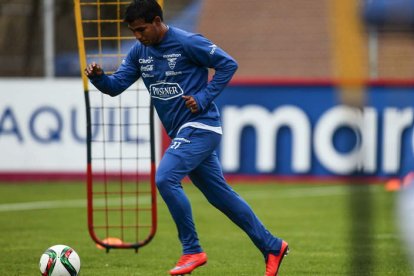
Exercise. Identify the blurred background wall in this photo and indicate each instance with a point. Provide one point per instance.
(277, 39)
(22, 51)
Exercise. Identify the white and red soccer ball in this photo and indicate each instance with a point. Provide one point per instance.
(59, 260)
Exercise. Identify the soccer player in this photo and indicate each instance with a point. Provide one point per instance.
(174, 64)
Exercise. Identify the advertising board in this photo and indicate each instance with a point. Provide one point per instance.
(43, 128)
(298, 129)
(270, 129)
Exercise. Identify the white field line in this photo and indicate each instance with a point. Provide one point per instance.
(74, 203)
(301, 192)
(81, 203)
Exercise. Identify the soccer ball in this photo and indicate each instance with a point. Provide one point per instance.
(59, 260)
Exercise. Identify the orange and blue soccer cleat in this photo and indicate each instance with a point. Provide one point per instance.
(273, 262)
(188, 262)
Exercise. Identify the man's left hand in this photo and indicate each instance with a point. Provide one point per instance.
(191, 103)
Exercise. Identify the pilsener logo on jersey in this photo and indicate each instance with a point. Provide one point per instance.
(165, 90)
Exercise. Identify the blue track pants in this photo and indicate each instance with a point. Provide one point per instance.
(192, 153)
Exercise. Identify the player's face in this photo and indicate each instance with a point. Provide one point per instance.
(147, 33)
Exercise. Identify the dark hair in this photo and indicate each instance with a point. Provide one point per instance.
(143, 9)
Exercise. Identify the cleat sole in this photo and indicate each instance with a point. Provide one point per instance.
(190, 271)
(285, 253)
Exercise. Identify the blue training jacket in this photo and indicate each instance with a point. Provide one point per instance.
(177, 66)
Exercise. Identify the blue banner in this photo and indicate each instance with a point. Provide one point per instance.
(295, 130)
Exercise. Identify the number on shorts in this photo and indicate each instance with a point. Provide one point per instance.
(175, 145)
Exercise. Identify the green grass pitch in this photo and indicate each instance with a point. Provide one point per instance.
(331, 229)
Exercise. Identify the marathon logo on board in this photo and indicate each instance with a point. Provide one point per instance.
(319, 139)
(307, 131)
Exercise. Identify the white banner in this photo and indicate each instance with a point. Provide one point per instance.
(43, 127)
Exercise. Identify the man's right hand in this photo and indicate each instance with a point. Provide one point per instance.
(93, 70)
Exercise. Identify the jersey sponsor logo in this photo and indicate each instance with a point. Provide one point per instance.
(172, 62)
(172, 55)
(147, 68)
(165, 90)
(172, 73)
(146, 75)
(145, 60)
(172, 59)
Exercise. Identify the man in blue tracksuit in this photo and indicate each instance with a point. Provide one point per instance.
(174, 67)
